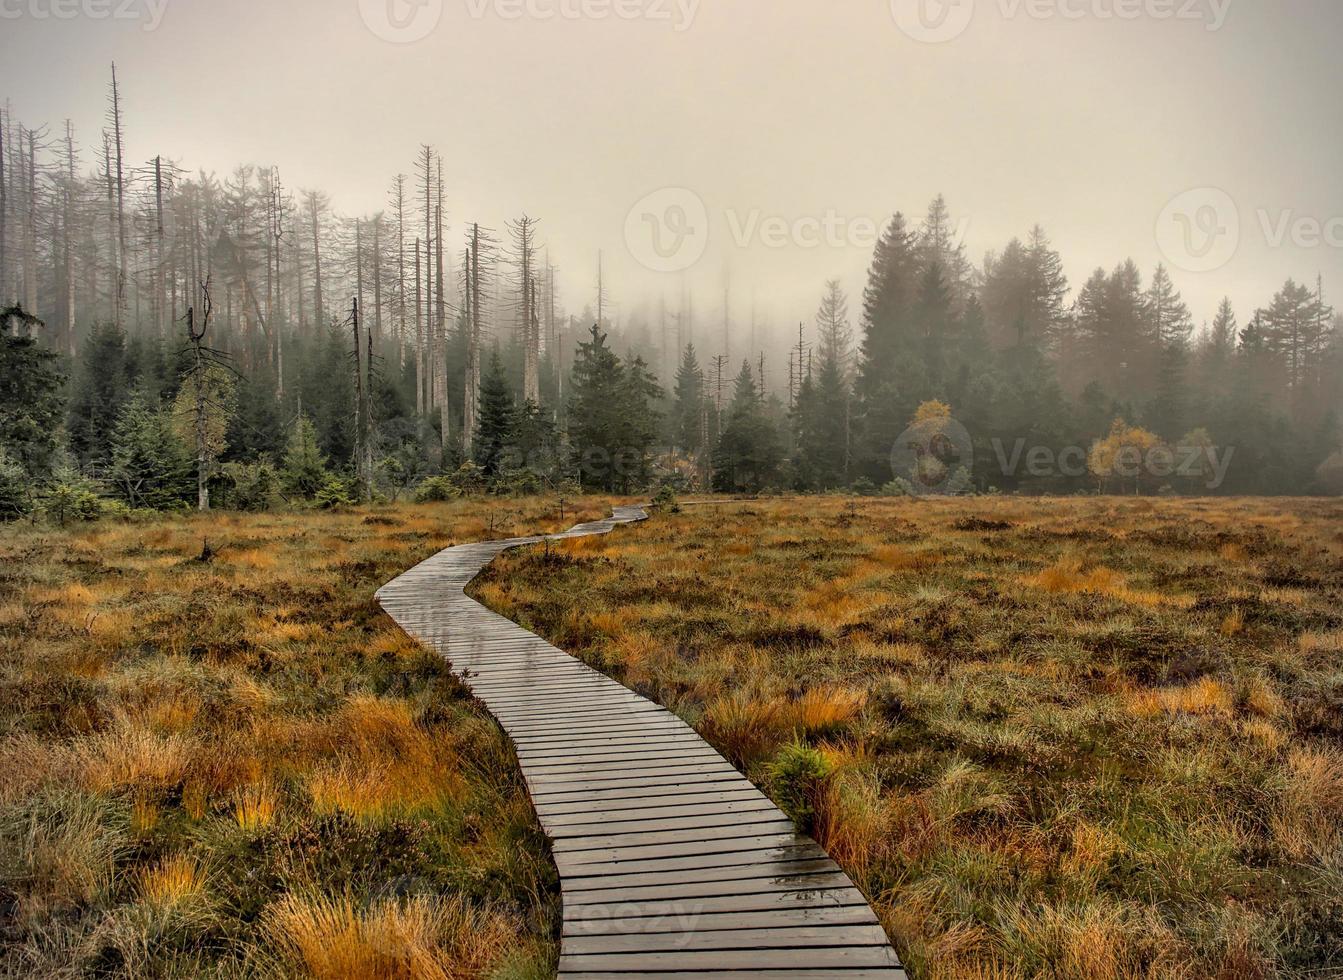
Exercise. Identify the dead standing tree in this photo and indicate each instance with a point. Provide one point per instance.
(479, 245)
(523, 233)
(203, 358)
(363, 421)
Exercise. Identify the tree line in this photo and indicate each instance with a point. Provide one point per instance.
(187, 340)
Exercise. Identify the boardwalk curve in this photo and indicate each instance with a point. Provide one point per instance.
(672, 864)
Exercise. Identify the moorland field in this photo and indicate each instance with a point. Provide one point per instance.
(1097, 738)
(242, 767)
(1090, 738)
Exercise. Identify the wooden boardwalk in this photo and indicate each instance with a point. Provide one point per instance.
(672, 864)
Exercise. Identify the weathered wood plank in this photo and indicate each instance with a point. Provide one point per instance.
(672, 864)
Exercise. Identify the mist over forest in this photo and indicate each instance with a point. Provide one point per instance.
(389, 348)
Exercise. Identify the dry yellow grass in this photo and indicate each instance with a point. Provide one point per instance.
(418, 939)
(1069, 739)
(172, 881)
(254, 807)
(258, 716)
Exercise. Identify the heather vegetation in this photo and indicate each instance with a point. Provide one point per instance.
(218, 758)
(1091, 738)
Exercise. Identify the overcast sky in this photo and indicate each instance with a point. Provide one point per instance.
(776, 117)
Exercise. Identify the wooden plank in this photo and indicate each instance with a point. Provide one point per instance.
(813, 958)
(764, 939)
(672, 864)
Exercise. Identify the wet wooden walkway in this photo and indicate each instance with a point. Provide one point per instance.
(672, 864)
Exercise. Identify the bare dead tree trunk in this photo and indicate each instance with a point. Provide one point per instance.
(471, 398)
(419, 340)
(277, 247)
(67, 243)
(122, 275)
(401, 269)
(196, 330)
(426, 166)
(316, 261)
(30, 229)
(377, 279)
(363, 450)
(5, 294)
(532, 357)
(161, 265)
(440, 336)
(359, 264)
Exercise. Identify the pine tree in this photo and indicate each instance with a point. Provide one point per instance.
(936, 322)
(748, 453)
(101, 389)
(823, 414)
(832, 328)
(612, 422)
(1296, 331)
(688, 402)
(303, 471)
(1048, 289)
(497, 422)
(886, 374)
(150, 466)
(1168, 317)
(938, 244)
(30, 404)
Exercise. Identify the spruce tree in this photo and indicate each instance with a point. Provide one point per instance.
(887, 371)
(101, 389)
(150, 466)
(747, 456)
(497, 418)
(688, 402)
(30, 405)
(303, 470)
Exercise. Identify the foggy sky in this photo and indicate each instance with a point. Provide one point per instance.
(797, 109)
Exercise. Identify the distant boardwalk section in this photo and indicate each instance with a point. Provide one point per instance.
(672, 864)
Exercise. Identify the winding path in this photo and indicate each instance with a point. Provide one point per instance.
(672, 864)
